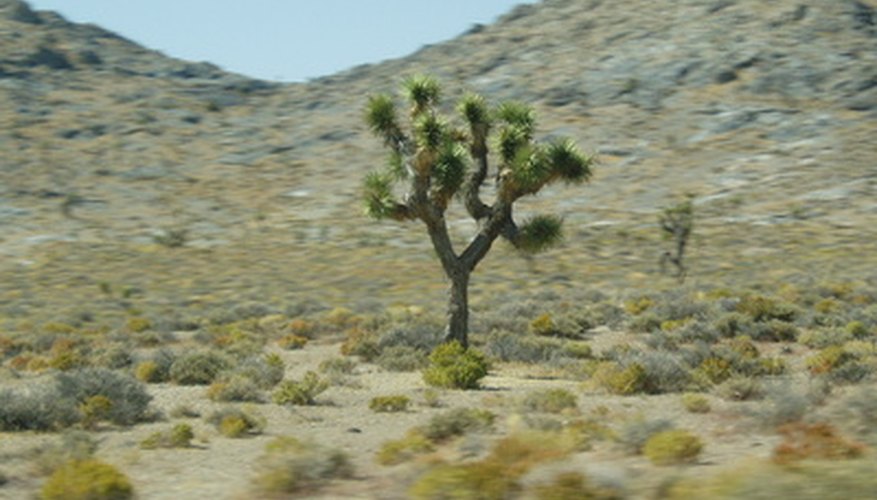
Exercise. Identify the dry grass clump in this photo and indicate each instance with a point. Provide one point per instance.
(820, 441)
(569, 485)
(554, 400)
(440, 429)
(389, 404)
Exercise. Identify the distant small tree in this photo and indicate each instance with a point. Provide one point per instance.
(437, 161)
(677, 222)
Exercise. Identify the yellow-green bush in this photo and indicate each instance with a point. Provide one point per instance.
(179, 436)
(620, 380)
(301, 392)
(87, 480)
(236, 423)
(452, 366)
(401, 450)
(543, 325)
(292, 342)
(389, 404)
(138, 324)
(672, 447)
(95, 409)
(696, 403)
(556, 400)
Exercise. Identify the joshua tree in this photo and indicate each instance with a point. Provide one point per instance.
(436, 161)
(677, 222)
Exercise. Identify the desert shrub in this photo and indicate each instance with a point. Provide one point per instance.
(389, 404)
(828, 360)
(803, 441)
(235, 388)
(633, 434)
(178, 436)
(290, 466)
(497, 475)
(761, 308)
(478, 480)
(857, 330)
(457, 422)
(714, 370)
(775, 331)
(87, 480)
(672, 447)
(397, 451)
(543, 325)
(264, 371)
(771, 366)
(113, 357)
(38, 407)
(645, 323)
(148, 372)
(638, 305)
(401, 358)
(128, 398)
(618, 379)
(137, 324)
(740, 388)
(452, 366)
(73, 446)
(422, 334)
(824, 338)
(733, 324)
(550, 401)
(507, 346)
(696, 403)
(301, 392)
(292, 342)
(199, 368)
(337, 367)
(815, 480)
(569, 485)
(362, 343)
(94, 410)
(237, 422)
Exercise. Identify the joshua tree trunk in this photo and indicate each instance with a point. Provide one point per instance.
(458, 308)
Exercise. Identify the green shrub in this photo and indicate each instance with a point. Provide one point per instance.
(397, 451)
(179, 436)
(507, 346)
(199, 368)
(401, 358)
(672, 447)
(761, 308)
(337, 366)
(479, 480)
(128, 398)
(290, 466)
(620, 380)
(301, 392)
(389, 404)
(236, 422)
(452, 366)
(696, 403)
(457, 422)
(857, 330)
(634, 434)
(234, 388)
(95, 409)
(87, 480)
(265, 371)
(38, 407)
(550, 401)
(292, 342)
(740, 388)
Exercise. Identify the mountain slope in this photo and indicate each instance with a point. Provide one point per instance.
(765, 112)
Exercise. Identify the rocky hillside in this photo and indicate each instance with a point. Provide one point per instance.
(193, 189)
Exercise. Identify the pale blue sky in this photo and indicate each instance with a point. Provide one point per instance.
(289, 40)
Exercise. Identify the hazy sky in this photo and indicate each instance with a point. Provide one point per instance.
(289, 40)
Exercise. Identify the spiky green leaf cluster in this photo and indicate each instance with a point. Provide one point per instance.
(380, 116)
(539, 233)
(430, 132)
(568, 162)
(378, 194)
(510, 142)
(517, 114)
(530, 170)
(449, 172)
(422, 91)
